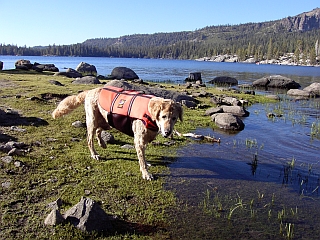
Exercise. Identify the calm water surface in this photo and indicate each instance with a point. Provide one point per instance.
(227, 168)
(177, 70)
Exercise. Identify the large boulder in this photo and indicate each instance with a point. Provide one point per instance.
(1, 65)
(227, 121)
(313, 89)
(87, 80)
(45, 67)
(23, 64)
(86, 69)
(224, 80)
(123, 73)
(276, 81)
(159, 92)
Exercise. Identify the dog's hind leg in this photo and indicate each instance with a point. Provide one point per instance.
(92, 125)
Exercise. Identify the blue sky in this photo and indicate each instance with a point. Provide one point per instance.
(59, 22)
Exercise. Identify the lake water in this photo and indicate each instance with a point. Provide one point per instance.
(177, 70)
(287, 156)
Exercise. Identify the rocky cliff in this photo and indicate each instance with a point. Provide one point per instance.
(303, 22)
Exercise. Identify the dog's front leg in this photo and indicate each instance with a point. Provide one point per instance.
(140, 142)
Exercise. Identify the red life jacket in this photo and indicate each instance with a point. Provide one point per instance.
(125, 106)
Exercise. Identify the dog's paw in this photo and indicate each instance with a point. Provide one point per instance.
(147, 176)
(96, 156)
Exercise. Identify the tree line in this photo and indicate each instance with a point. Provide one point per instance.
(245, 41)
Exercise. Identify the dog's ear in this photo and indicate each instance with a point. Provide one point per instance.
(180, 110)
(154, 108)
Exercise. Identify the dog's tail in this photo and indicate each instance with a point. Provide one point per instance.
(68, 104)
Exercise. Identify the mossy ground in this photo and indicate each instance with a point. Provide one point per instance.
(58, 165)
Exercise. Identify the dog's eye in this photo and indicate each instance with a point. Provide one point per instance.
(164, 116)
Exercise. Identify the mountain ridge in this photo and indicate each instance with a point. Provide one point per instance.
(302, 22)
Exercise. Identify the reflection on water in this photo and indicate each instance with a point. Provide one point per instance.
(274, 158)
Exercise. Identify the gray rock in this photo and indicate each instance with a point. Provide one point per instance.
(6, 184)
(276, 81)
(86, 69)
(159, 92)
(70, 73)
(87, 80)
(127, 146)
(7, 159)
(123, 73)
(18, 164)
(188, 104)
(23, 64)
(87, 215)
(227, 121)
(78, 124)
(107, 137)
(235, 110)
(55, 204)
(213, 110)
(313, 89)
(45, 67)
(54, 82)
(298, 92)
(54, 218)
(15, 152)
(224, 80)
(274, 97)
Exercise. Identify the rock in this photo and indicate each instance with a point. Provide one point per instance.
(7, 159)
(235, 110)
(107, 137)
(123, 73)
(1, 65)
(159, 92)
(127, 146)
(87, 80)
(54, 82)
(274, 97)
(313, 89)
(224, 80)
(276, 81)
(193, 77)
(23, 64)
(87, 215)
(55, 204)
(6, 184)
(44, 67)
(86, 69)
(78, 124)
(18, 164)
(298, 92)
(231, 101)
(228, 121)
(188, 104)
(15, 152)
(54, 218)
(213, 110)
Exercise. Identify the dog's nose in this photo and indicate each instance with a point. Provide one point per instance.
(166, 133)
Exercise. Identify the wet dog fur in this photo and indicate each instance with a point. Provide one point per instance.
(165, 112)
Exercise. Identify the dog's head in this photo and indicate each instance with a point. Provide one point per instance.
(165, 112)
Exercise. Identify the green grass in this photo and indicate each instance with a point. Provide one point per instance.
(57, 167)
